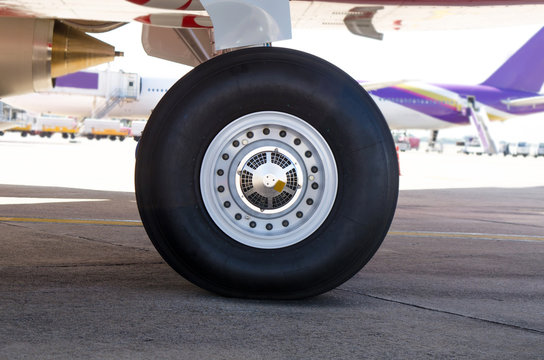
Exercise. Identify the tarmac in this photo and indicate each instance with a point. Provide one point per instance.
(459, 276)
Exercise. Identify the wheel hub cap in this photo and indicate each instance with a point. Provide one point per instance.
(267, 179)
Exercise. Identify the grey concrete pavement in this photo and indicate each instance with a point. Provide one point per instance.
(460, 276)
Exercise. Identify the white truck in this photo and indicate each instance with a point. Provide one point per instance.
(104, 128)
(520, 148)
(47, 126)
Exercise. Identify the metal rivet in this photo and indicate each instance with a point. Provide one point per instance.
(238, 216)
(226, 204)
(266, 131)
(269, 227)
(220, 172)
(314, 169)
(315, 186)
(249, 134)
(285, 223)
(297, 141)
(252, 224)
(221, 188)
(235, 143)
(225, 156)
(310, 201)
(308, 154)
(300, 214)
(283, 133)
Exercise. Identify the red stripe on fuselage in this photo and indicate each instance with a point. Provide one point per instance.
(139, 2)
(186, 5)
(144, 19)
(189, 22)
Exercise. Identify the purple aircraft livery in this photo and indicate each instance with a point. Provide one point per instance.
(512, 90)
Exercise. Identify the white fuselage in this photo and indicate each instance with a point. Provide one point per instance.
(82, 103)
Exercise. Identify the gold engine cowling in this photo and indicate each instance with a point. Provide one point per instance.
(35, 51)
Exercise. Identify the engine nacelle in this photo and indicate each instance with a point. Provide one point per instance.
(35, 51)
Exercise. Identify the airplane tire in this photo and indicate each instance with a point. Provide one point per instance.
(267, 173)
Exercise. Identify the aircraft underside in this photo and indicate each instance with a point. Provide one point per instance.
(264, 172)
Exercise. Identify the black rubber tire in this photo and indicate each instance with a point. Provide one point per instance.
(223, 89)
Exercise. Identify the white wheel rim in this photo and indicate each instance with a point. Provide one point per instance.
(292, 184)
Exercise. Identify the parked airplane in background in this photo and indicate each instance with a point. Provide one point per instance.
(101, 94)
(512, 90)
(264, 172)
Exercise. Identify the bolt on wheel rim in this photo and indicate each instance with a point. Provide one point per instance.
(268, 180)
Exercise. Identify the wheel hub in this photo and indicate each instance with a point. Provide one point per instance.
(267, 179)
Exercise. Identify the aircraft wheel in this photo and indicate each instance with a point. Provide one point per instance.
(267, 173)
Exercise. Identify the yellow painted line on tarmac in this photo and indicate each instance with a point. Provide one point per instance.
(73, 221)
(457, 235)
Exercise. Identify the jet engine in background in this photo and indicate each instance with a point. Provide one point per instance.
(36, 51)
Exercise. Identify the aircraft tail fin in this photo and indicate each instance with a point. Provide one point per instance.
(524, 70)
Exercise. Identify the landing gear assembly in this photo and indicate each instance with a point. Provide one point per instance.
(267, 173)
